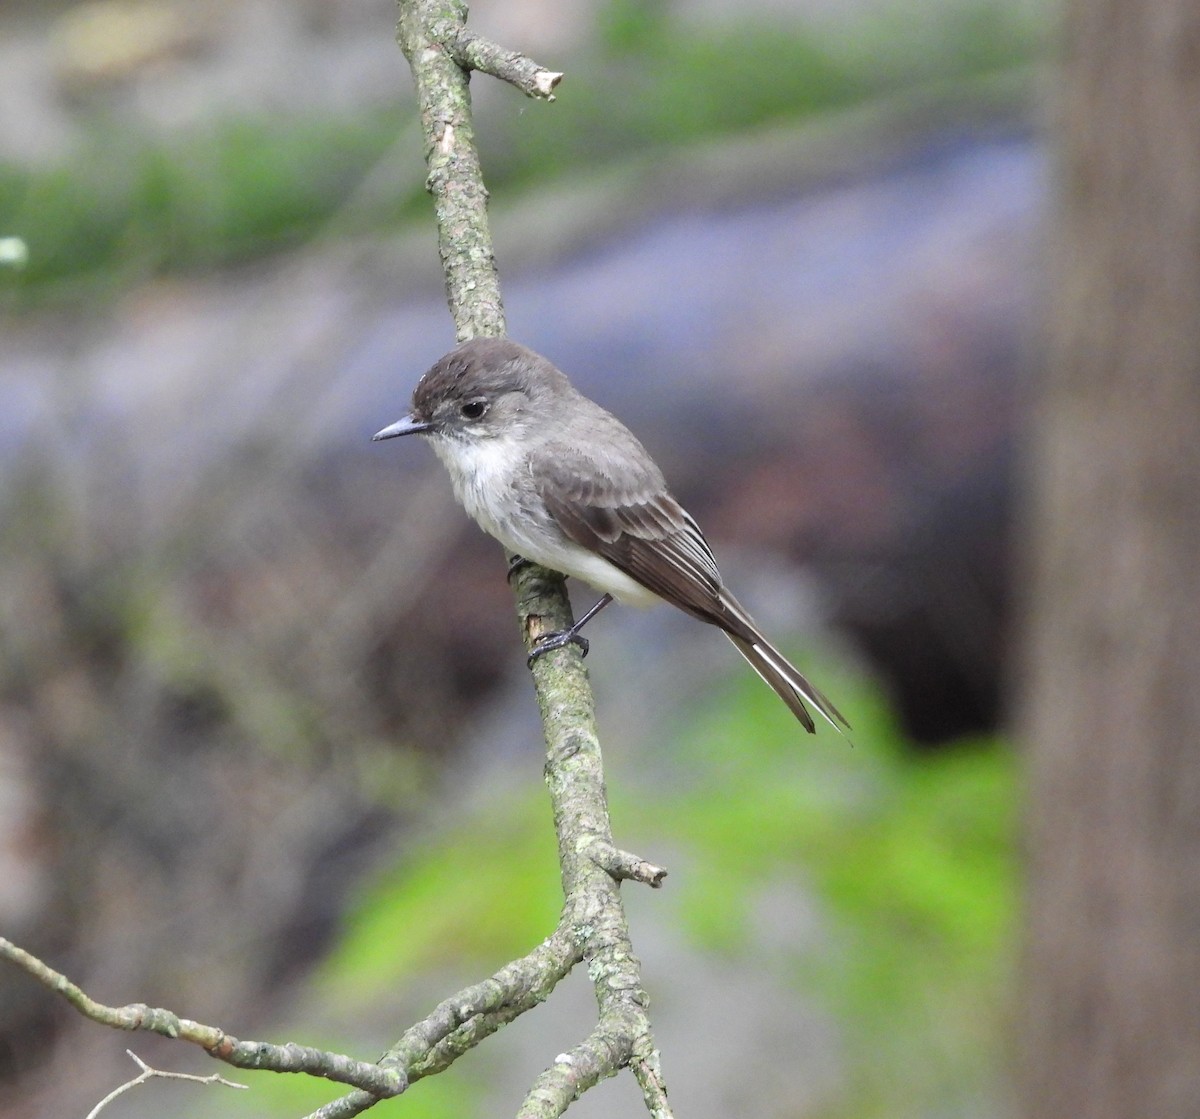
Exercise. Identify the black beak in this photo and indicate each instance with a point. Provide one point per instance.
(406, 426)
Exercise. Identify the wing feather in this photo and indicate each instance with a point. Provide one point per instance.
(619, 508)
(635, 524)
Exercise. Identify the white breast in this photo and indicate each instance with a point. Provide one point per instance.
(484, 473)
(491, 481)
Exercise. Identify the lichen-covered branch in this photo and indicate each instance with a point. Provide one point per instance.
(455, 179)
(435, 41)
(591, 885)
(454, 1026)
(474, 52)
(382, 1083)
(460, 1022)
(466, 1018)
(624, 865)
(592, 927)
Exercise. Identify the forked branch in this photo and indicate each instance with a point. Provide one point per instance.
(593, 927)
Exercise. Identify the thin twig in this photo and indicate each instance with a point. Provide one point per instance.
(474, 52)
(382, 1082)
(453, 1027)
(149, 1073)
(623, 865)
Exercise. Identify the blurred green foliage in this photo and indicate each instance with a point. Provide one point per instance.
(911, 857)
(651, 85)
(127, 206)
(487, 893)
(908, 857)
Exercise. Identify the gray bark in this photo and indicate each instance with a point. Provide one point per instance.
(1110, 713)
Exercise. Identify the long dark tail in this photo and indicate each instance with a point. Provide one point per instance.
(788, 683)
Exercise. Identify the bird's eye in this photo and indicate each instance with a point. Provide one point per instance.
(474, 409)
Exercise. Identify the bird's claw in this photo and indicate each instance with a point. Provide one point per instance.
(515, 563)
(559, 640)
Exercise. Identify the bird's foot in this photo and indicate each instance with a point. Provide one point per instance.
(515, 564)
(560, 640)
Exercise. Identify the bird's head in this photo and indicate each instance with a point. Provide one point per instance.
(482, 389)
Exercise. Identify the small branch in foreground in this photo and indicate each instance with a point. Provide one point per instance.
(475, 52)
(623, 865)
(572, 1074)
(381, 1082)
(462, 1021)
(149, 1073)
(454, 1026)
(647, 1071)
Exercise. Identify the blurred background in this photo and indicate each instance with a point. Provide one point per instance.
(268, 750)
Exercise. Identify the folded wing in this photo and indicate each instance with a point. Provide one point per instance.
(635, 524)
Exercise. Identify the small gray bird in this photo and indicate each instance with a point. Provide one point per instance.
(563, 483)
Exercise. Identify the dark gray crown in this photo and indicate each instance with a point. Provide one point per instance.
(485, 367)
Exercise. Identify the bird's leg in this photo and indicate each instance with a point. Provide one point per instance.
(568, 636)
(515, 564)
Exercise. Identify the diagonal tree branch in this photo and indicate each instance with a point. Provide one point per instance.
(382, 1082)
(454, 1026)
(460, 1022)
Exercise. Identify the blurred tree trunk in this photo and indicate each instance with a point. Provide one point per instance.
(1110, 1025)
